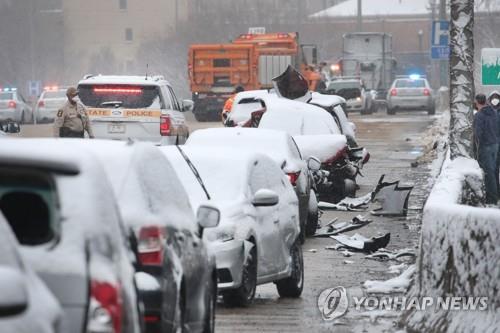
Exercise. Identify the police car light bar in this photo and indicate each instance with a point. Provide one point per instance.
(414, 76)
(9, 89)
(51, 88)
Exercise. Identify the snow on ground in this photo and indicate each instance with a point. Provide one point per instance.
(398, 284)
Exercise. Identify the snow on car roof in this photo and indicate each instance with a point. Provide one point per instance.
(249, 139)
(144, 182)
(326, 100)
(252, 94)
(124, 79)
(297, 118)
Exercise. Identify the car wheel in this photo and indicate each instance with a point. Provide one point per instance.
(312, 214)
(245, 293)
(209, 326)
(391, 111)
(293, 285)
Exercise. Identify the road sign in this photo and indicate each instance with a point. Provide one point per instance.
(34, 88)
(440, 40)
(490, 67)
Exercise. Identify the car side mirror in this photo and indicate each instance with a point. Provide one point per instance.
(11, 127)
(14, 291)
(187, 105)
(313, 163)
(265, 198)
(207, 217)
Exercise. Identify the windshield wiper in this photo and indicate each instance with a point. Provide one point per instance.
(195, 171)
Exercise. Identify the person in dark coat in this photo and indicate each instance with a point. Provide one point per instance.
(486, 136)
(494, 99)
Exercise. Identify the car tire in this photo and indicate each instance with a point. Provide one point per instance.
(391, 111)
(243, 295)
(312, 214)
(293, 285)
(209, 326)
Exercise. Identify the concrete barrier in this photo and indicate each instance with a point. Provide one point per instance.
(459, 253)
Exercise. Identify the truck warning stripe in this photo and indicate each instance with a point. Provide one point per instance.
(133, 113)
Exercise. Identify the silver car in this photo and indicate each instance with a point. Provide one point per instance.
(257, 240)
(410, 93)
(136, 107)
(354, 92)
(13, 107)
(47, 105)
(63, 212)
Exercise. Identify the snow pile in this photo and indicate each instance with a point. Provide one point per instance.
(459, 253)
(398, 284)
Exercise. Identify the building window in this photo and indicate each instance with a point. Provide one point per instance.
(129, 35)
(123, 4)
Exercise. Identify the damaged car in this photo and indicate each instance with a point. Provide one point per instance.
(257, 240)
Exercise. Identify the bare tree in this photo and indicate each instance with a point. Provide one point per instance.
(461, 77)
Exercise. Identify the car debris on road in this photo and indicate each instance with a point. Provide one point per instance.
(333, 228)
(363, 244)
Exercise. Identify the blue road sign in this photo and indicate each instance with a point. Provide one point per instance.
(440, 40)
(34, 88)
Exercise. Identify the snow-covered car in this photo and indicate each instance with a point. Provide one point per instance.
(283, 151)
(49, 102)
(244, 104)
(137, 107)
(356, 96)
(14, 107)
(410, 93)
(257, 240)
(26, 304)
(63, 212)
(154, 205)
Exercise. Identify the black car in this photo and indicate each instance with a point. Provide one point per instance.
(179, 280)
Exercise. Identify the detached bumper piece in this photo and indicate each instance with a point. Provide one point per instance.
(363, 244)
(392, 197)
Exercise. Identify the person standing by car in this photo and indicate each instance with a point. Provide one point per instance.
(485, 135)
(72, 120)
(228, 105)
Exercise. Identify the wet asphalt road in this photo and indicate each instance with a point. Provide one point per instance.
(393, 142)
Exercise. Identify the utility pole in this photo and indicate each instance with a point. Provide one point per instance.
(360, 16)
(461, 77)
(444, 63)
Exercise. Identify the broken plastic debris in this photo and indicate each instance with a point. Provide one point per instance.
(312, 250)
(332, 228)
(398, 284)
(390, 255)
(361, 243)
(348, 262)
(392, 197)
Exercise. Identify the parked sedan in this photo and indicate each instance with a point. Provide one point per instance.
(71, 234)
(411, 93)
(26, 304)
(283, 151)
(50, 101)
(257, 240)
(353, 90)
(13, 107)
(182, 291)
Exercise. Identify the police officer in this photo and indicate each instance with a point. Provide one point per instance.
(72, 119)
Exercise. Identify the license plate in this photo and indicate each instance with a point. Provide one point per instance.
(116, 128)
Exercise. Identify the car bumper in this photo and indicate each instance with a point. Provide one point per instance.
(353, 105)
(46, 115)
(10, 114)
(229, 258)
(410, 102)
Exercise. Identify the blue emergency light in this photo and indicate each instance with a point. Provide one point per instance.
(414, 76)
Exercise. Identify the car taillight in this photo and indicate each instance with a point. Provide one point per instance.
(150, 245)
(343, 153)
(12, 104)
(41, 103)
(426, 92)
(394, 92)
(165, 125)
(293, 176)
(105, 308)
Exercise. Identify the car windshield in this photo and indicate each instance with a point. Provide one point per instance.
(345, 89)
(338, 85)
(126, 96)
(55, 94)
(410, 84)
(6, 96)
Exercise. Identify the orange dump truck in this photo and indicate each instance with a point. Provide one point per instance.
(251, 61)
